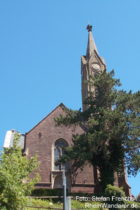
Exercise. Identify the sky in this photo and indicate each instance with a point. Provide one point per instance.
(41, 44)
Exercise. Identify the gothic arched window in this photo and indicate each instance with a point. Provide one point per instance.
(59, 147)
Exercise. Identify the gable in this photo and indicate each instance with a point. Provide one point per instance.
(47, 132)
(60, 109)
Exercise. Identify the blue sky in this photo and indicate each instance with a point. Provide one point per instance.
(41, 43)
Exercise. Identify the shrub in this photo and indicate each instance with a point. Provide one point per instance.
(15, 181)
(47, 192)
(114, 193)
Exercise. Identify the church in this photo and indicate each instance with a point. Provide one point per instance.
(46, 140)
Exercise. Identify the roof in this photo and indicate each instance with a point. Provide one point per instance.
(60, 105)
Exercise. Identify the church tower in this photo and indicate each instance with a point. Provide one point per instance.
(91, 63)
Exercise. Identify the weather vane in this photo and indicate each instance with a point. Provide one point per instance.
(89, 28)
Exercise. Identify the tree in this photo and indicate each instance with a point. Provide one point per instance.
(15, 180)
(112, 129)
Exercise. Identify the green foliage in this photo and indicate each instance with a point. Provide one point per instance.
(112, 130)
(56, 192)
(114, 191)
(74, 203)
(47, 192)
(117, 193)
(15, 182)
(81, 205)
(42, 203)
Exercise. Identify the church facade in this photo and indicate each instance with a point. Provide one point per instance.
(46, 140)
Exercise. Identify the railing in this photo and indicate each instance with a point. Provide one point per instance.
(45, 197)
(41, 207)
(49, 208)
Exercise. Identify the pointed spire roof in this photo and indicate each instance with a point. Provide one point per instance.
(91, 46)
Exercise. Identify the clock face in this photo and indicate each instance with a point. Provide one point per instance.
(95, 66)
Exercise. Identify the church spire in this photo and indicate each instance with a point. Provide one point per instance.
(91, 64)
(91, 46)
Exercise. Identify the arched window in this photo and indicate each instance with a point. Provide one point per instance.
(59, 147)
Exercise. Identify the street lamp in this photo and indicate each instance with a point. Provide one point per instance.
(64, 189)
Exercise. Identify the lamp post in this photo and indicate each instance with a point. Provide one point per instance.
(64, 189)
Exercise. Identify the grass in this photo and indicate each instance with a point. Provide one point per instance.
(49, 204)
(43, 203)
(75, 205)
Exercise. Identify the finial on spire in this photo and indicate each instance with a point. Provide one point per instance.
(89, 28)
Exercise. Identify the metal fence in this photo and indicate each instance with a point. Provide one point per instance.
(41, 207)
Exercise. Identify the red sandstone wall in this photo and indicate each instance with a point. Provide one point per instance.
(39, 142)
